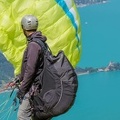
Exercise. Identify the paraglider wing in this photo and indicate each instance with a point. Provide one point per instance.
(58, 20)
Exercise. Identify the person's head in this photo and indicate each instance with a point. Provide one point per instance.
(29, 24)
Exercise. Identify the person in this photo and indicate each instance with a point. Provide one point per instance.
(31, 58)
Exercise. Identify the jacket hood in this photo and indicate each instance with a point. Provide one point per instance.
(36, 35)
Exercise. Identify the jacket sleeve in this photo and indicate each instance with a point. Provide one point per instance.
(33, 55)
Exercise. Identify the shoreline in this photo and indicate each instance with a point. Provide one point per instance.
(88, 4)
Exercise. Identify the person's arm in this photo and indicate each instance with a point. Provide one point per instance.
(33, 54)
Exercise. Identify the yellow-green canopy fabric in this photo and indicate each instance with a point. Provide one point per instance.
(59, 20)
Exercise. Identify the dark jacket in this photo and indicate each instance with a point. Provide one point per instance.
(32, 59)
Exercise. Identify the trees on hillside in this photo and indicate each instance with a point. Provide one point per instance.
(6, 69)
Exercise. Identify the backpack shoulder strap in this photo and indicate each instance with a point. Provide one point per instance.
(43, 45)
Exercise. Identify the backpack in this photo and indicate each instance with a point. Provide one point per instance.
(59, 83)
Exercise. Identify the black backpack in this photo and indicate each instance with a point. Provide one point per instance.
(59, 85)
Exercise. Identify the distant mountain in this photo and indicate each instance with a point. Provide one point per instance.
(82, 3)
(6, 69)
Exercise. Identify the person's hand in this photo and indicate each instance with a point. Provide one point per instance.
(13, 82)
(16, 80)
